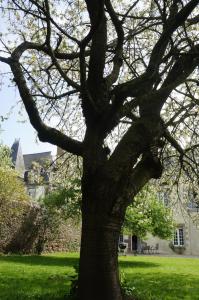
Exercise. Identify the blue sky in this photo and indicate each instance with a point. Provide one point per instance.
(13, 127)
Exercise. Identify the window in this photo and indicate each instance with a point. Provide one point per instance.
(193, 202)
(121, 238)
(179, 237)
(164, 197)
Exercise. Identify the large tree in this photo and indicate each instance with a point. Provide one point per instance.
(114, 82)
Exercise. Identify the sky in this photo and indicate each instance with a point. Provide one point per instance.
(17, 125)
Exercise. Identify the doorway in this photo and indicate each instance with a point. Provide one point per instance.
(134, 244)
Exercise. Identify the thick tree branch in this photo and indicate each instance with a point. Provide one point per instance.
(133, 88)
(19, 50)
(183, 67)
(194, 20)
(6, 60)
(117, 60)
(98, 50)
(154, 100)
(173, 22)
(139, 176)
(137, 140)
(173, 142)
(45, 133)
(43, 47)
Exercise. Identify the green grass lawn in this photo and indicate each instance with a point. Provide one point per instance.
(45, 277)
(163, 278)
(36, 277)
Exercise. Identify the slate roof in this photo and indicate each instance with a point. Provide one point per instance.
(14, 150)
(17, 156)
(41, 158)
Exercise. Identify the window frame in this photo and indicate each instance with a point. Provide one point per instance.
(178, 239)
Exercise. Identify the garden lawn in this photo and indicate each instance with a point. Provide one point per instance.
(162, 278)
(36, 277)
(46, 277)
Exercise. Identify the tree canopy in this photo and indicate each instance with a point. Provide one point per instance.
(115, 82)
(143, 59)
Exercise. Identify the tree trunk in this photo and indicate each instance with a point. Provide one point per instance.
(98, 273)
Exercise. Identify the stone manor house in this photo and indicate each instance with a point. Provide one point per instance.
(186, 235)
(185, 212)
(25, 165)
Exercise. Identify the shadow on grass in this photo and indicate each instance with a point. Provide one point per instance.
(51, 283)
(35, 277)
(137, 264)
(45, 260)
(41, 260)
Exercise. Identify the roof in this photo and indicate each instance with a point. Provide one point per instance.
(41, 158)
(17, 156)
(14, 150)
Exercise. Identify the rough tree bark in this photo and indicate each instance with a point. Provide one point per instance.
(98, 277)
(105, 197)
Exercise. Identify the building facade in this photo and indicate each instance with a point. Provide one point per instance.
(32, 169)
(184, 204)
(185, 208)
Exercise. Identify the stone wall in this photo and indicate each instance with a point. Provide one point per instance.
(23, 229)
(188, 219)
